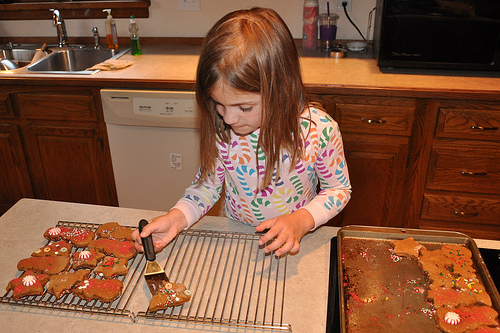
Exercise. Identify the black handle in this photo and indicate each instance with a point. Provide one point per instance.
(147, 243)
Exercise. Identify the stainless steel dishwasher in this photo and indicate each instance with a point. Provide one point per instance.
(154, 144)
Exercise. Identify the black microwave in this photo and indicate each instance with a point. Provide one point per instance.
(437, 34)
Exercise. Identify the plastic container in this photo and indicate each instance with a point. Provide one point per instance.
(327, 31)
(111, 34)
(310, 26)
(133, 27)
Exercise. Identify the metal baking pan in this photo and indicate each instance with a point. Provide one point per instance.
(389, 291)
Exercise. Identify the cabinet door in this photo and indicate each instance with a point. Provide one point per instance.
(376, 170)
(67, 164)
(376, 132)
(14, 180)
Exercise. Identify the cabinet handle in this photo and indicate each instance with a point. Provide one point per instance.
(373, 121)
(482, 128)
(465, 214)
(471, 173)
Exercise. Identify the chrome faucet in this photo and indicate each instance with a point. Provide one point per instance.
(58, 22)
(95, 31)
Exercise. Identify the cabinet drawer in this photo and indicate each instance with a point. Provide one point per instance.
(468, 124)
(464, 169)
(461, 209)
(5, 106)
(57, 107)
(376, 119)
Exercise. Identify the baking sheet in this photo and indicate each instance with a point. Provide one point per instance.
(389, 292)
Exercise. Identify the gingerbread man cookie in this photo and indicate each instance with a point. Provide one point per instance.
(103, 290)
(113, 247)
(171, 294)
(46, 265)
(113, 230)
(111, 267)
(29, 283)
(80, 237)
(61, 248)
(86, 259)
(62, 284)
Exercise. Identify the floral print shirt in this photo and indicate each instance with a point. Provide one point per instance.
(240, 167)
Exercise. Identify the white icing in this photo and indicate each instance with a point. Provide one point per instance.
(54, 231)
(29, 280)
(84, 255)
(452, 318)
(64, 249)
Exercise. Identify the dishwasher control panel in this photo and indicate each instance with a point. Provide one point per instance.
(150, 108)
(164, 107)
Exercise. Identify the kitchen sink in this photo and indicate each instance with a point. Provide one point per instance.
(20, 54)
(73, 61)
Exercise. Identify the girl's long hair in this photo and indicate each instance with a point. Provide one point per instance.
(252, 51)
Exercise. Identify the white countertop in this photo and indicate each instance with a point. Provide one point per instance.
(22, 233)
(23, 227)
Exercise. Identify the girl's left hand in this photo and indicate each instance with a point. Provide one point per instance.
(288, 230)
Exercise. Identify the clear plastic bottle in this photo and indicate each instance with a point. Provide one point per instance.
(111, 34)
(134, 36)
(310, 27)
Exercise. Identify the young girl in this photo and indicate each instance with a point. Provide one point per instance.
(261, 139)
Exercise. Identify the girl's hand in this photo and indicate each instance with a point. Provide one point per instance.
(163, 230)
(288, 230)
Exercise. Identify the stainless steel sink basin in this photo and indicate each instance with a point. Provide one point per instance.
(73, 61)
(21, 54)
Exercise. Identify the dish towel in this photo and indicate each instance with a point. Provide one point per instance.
(111, 65)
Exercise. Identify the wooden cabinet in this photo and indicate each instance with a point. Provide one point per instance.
(14, 178)
(462, 189)
(376, 132)
(56, 147)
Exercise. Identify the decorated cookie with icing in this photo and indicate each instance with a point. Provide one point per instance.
(407, 247)
(113, 247)
(113, 230)
(112, 267)
(475, 289)
(86, 259)
(46, 265)
(461, 258)
(80, 237)
(95, 289)
(28, 284)
(170, 295)
(450, 297)
(62, 284)
(465, 318)
(61, 248)
(437, 267)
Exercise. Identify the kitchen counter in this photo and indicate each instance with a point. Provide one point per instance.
(177, 63)
(23, 227)
(24, 224)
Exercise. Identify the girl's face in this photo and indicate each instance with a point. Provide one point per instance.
(240, 109)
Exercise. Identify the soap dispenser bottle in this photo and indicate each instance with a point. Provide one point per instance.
(133, 27)
(111, 34)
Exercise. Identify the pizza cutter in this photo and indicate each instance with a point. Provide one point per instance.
(154, 274)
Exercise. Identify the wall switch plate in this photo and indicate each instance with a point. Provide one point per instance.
(189, 4)
(340, 8)
(176, 162)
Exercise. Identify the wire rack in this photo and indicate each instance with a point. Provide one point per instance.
(234, 283)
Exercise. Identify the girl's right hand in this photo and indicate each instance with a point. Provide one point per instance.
(163, 230)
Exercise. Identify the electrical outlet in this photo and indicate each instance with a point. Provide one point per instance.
(340, 8)
(176, 162)
(189, 4)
